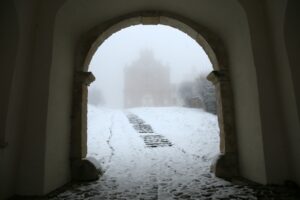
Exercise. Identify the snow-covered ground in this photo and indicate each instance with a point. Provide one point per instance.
(134, 171)
(192, 131)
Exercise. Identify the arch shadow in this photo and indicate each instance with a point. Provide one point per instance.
(9, 39)
(292, 41)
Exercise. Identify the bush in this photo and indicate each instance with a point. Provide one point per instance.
(199, 93)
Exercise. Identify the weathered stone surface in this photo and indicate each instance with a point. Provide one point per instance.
(86, 170)
(79, 116)
(224, 166)
(82, 169)
(150, 20)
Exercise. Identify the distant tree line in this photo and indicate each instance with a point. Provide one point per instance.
(199, 93)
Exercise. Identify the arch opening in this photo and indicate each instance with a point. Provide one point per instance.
(226, 164)
(161, 101)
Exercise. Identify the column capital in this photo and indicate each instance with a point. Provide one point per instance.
(218, 76)
(85, 78)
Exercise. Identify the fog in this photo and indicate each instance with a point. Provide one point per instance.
(144, 45)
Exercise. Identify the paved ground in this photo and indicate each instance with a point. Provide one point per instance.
(151, 139)
(144, 163)
(238, 191)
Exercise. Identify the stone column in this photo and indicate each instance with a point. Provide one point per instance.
(82, 169)
(226, 165)
(79, 122)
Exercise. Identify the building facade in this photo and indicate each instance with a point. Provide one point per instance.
(147, 83)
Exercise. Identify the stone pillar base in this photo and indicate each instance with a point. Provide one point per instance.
(87, 169)
(225, 166)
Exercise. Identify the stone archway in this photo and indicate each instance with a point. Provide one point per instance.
(226, 165)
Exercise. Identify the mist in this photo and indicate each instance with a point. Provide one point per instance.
(177, 57)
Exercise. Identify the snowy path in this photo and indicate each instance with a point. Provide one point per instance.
(133, 171)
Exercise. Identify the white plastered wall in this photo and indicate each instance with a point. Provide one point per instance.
(276, 16)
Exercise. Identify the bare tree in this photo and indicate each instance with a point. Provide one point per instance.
(207, 92)
(96, 97)
(199, 93)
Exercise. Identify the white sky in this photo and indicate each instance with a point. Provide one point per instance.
(172, 47)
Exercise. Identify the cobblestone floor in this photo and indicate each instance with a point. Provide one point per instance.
(151, 190)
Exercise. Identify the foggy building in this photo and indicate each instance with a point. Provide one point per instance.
(147, 83)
